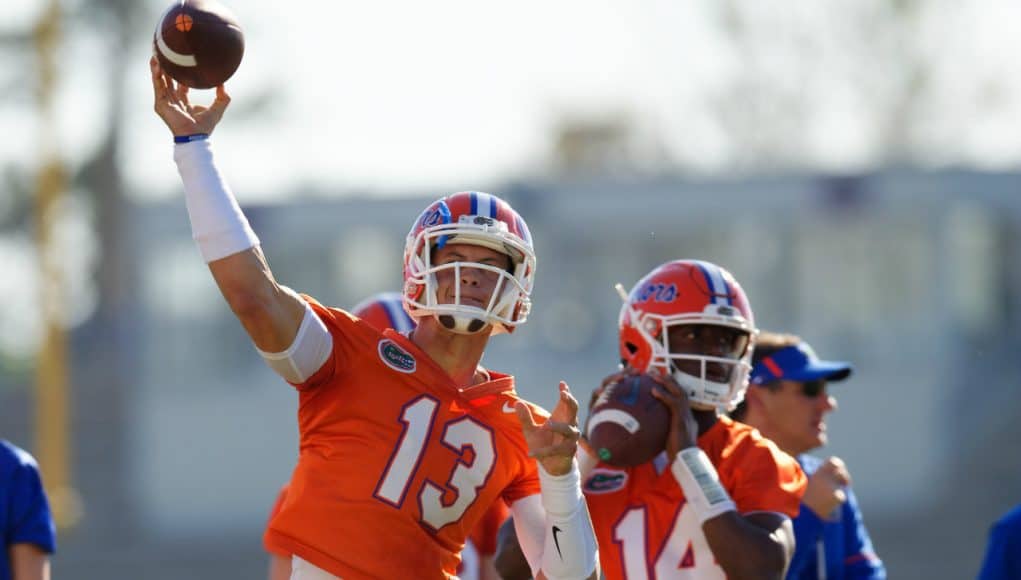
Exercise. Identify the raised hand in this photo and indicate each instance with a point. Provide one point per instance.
(172, 105)
(683, 427)
(553, 442)
(825, 491)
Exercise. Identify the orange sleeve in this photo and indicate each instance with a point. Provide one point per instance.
(277, 505)
(769, 480)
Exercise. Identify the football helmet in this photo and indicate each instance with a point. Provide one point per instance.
(687, 292)
(479, 219)
(384, 310)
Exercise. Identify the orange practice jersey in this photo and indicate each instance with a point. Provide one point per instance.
(482, 540)
(277, 506)
(396, 464)
(643, 524)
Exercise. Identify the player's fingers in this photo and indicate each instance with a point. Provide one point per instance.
(182, 94)
(220, 103)
(171, 94)
(159, 83)
(525, 417)
(566, 429)
(156, 74)
(669, 383)
(568, 400)
(674, 402)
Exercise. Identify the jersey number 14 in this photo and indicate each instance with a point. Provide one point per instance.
(683, 555)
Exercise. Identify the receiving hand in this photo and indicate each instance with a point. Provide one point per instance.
(683, 427)
(554, 442)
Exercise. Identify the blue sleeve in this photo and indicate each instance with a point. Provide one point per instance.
(1003, 556)
(29, 520)
(860, 559)
(808, 528)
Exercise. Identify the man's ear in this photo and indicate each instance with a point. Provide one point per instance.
(753, 398)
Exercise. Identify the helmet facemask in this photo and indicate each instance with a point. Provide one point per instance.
(704, 393)
(508, 302)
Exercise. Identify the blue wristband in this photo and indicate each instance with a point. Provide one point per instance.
(190, 138)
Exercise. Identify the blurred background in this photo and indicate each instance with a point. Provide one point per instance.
(855, 163)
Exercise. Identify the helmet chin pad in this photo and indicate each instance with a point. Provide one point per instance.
(461, 324)
(702, 393)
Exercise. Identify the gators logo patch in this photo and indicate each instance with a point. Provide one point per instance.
(604, 480)
(396, 357)
(434, 216)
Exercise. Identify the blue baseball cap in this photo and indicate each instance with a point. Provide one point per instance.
(797, 363)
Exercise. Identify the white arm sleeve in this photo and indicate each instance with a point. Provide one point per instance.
(308, 353)
(217, 224)
(554, 530)
(586, 462)
(530, 527)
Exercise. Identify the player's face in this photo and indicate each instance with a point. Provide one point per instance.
(797, 414)
(476, 284)
(707, 340)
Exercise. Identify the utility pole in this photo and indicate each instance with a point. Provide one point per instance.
(52, 422)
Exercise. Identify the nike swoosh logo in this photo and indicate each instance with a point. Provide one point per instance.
(556, 541)
(508, 407)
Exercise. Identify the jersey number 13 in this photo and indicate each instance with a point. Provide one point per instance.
(466, 477)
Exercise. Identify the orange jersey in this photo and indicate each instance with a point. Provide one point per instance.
(277, 505)
(643, 525)
(482, 541)
(396, 463)
(484, 534)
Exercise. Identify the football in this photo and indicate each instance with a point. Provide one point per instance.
(627, 424)
(199, 43)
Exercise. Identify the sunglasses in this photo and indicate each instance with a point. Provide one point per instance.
(813, 389)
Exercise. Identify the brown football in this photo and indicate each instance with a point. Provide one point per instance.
(628, 425)
(199, 43)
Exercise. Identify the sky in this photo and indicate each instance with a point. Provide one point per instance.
(403, 97)
(399, 95)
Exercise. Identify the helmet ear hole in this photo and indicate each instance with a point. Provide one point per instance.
(631, 347)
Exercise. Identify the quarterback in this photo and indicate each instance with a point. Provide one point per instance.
(405, 440)
(718, 502)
